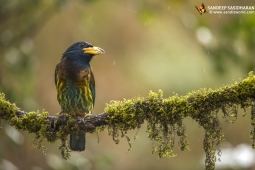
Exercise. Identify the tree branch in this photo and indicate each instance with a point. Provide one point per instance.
(86, 125)
(164, 116)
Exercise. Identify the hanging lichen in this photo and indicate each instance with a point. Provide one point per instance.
(164, 117)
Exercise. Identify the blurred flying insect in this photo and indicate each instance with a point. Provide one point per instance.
(201, 9)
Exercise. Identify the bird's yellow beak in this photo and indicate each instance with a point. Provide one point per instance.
(93, 50)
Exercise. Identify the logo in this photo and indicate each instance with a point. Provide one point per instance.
(225, 9)
(201, 9)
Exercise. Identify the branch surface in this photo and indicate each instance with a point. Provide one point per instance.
(164, 116)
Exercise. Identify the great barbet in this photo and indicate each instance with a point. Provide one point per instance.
(75, 84)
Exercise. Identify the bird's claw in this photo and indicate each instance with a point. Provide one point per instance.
(88, 115)
(60, 113)
(57, 117)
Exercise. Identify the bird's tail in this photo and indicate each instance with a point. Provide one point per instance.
(77, 141)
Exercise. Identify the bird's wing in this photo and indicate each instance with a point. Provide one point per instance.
(57, 74)
(60, 74)
(92, 86)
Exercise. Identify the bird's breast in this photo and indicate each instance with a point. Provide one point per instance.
(74, 92)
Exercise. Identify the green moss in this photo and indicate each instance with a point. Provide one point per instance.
(7, 109)
(164, 117)
(164, 124)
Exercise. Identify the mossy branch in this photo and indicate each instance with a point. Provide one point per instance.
(164, 116)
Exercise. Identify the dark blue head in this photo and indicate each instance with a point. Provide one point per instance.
(82, 51)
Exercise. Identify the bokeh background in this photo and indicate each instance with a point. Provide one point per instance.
(149, 44)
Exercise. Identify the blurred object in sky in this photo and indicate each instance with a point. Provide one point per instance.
(27, 45)
(15, 135)
(80, 161)
(240, 157)
(7, 165)
(189, 20)
(6, 37)
(36, 168)
(54, 161)
(204, 35)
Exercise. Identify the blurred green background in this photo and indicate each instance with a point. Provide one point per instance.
(149, 45)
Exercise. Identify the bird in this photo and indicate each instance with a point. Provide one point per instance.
(75, 85)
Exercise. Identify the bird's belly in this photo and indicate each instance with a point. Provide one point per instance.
(75, 100)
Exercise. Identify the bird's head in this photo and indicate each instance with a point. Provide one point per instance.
(82, 50)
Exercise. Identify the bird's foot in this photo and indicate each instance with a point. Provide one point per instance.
(87, 116)
(57, 117)
(61, 115)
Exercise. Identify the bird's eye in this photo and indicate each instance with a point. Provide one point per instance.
(82, 45)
